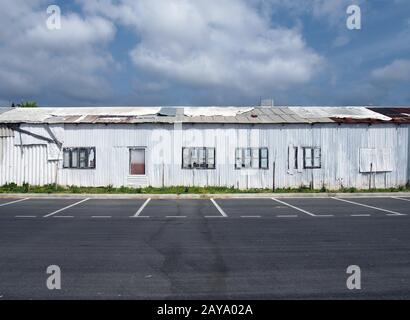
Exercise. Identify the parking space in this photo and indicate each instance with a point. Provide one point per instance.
(180, 209)
(333, 207)
(256, 208)
(101, 209)
(7, 201)
(31, 208)
(275, 208)
(391, 205)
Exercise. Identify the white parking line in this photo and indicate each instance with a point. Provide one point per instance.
(25, 216)
(301, 210)
(11, 202)
(137, 214)
(250, 216)
(287, 216)
(371, 207)
(219, 209)
(360, 215)
(65, 208)
(398, 198)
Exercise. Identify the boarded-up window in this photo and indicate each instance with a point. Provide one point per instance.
(83, 158)
(292, 157)
(198, 158)
(247, 160)
(376, 160)
(264, 158)
(137, 161)
(255, 159)
(210, 157)
(251, 158)
(312, 158)
(91, 159)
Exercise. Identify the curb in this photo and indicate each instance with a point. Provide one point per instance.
(202, 196)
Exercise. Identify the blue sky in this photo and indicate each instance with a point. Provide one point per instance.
(205, 52)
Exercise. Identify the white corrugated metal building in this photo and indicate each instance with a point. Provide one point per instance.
(252, 147)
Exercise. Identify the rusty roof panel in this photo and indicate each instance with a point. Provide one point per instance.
(274, 115)
(398, 115)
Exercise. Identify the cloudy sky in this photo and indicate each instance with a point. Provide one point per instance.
(205, 52)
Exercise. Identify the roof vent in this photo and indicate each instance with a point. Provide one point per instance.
(167, 112)
(267, 102)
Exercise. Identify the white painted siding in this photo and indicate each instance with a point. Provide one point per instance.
(340, 148)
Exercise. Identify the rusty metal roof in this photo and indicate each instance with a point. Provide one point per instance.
(242, 115)
(398, 115)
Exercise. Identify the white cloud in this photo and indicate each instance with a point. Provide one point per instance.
(209, 43)
(75, 33)
(58, 65)
(397, 71)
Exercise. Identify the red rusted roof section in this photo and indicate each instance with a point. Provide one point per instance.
(398, 115)
(353, 121)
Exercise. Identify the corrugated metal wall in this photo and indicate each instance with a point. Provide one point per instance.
(25, 164)
(340, 155)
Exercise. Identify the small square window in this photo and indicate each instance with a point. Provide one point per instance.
(79, 158)
(198, 158)
(312, 158)
(251, 158)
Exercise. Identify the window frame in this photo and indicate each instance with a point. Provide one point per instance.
(205, 164)
(250, 150)
(295, 164)
(129, 161)
(312, 156)
(70, 151)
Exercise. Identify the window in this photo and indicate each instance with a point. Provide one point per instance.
(74, 159)
(137, 161)
(79, 158)
(198, 158)
(293, 157)
(66, 158)
(312, 158)
(251, 158)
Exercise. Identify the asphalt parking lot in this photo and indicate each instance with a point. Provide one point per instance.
(267, 208)
(205, 248)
